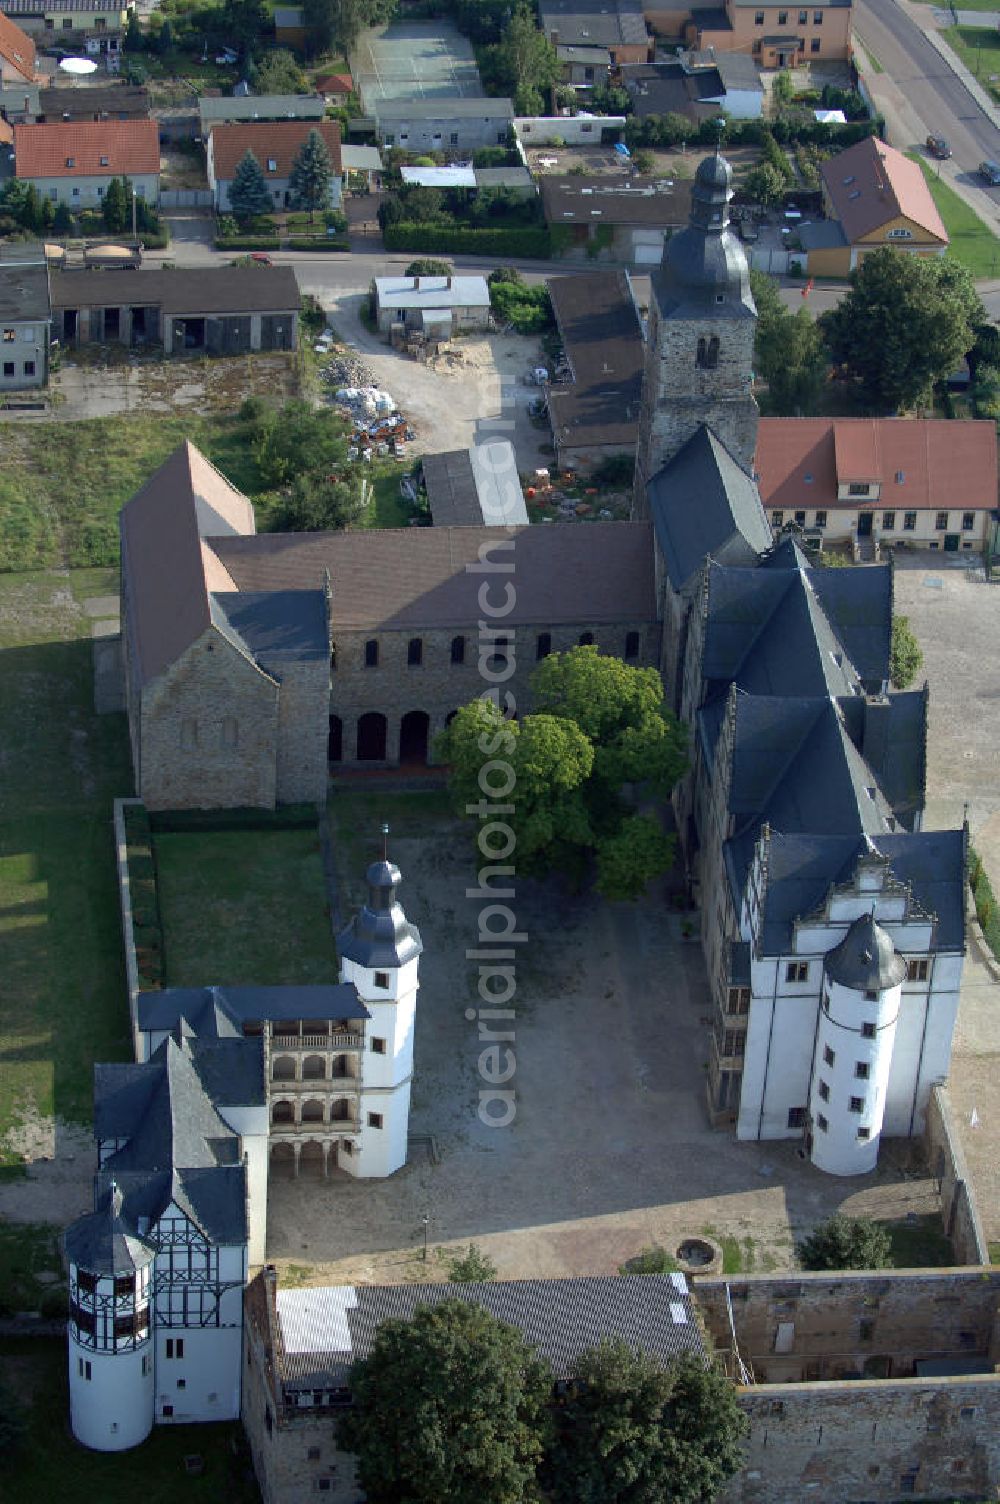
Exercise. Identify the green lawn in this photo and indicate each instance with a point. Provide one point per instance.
(29, 1258)
(972, 243)
(244, 907)
(50, 1465)
(62, 998)
(356, 818)
(978, 47)
(920, 1244)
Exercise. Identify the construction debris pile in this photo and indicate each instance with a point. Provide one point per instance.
(379, 427)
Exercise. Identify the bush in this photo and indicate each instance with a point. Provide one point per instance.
(247, 242)
(312, 243)
(472, 1267)
(617, 470)
(527, 309)
(529, 243)
(846, 1243)
(652, 1260)
(427, 266)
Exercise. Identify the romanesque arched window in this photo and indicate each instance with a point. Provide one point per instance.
(708, 353)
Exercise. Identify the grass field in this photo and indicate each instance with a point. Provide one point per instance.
(62, 1000)
(919, 1244)
(972, 242)
(50, 1465)
(978, 47)
(30, 1265)
(356, 818)
(244, 907)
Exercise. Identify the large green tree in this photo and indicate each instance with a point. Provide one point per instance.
(632, 1432)
(116, 205)
(278, 72)
(335, 25)
(522, 64)
(846, 1243)
(249, 194)
(905, 324)
(311, 174)
(789, 352)
(451, 1406)
(598, 724)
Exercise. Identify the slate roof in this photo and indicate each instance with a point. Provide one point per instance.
(168, 570)
(96, 148)
(670, 88)
(918, 463)
(866, 959)
(186, 291)
(24, 290)
(470, 487)
(405, 578)
(891, 732)
(602, 339)
(703, 503)
(736, 69)
(103, 1243)
(658, 203)
(380, 935)
(276, 627)
(275, 141)
(18, 48)
(220, 1012)
(324, 1330)
(705, 261)
(871, 183)
(803, 867)
(596, 57)
(594, 23)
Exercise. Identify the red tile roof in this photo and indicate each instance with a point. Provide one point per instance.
(131, 147)
(333, 83)
(870, 184)
(275, 141)
(917, 462)
(17, 48)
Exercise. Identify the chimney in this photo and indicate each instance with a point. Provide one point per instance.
(554, 37)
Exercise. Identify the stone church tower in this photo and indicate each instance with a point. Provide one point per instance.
(699, 344)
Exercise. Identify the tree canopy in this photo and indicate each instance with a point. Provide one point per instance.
(632, 1432)
(846, 1243)
(523, 63)
(249, 194)
(598, 724)
(335, 25)
(905, 324)
(428, 266)
(278, 72)
(311, 174)
(905, 655)
(789, 351)
(449, 1406)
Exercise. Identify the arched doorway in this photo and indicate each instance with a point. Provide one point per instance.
(371, 737)
(311, 1159)
(335, 742)
(283, 1160)
(413, 734)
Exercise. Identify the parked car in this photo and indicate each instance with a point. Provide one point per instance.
(991, 172)
(938, 147)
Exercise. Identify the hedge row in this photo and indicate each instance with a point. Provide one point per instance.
(318, 243)
(529, 242)
(671, 130)
(183, 821)
(147, 927)
(246, 242)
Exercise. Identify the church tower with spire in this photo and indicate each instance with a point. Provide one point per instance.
(699, 343)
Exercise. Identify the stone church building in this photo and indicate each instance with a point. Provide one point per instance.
(256, 663)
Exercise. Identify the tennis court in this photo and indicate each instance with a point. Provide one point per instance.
(414, 60)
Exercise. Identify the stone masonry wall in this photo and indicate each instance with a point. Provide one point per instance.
(947, 1162)
(189, 718)
(303, 728)
(437, 686)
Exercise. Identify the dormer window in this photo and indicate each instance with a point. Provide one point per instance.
(105, 162)
(858, 488)
(900, 477)
(70, 161)
(808, 477)
(272, 165)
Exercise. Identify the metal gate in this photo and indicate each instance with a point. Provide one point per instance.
(186, 198)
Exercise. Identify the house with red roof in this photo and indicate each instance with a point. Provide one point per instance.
(921, 482)
(873, 196)
(17, 55)
(275, 144)
(72, 162)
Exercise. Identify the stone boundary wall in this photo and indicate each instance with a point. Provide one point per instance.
(946, 1159)
(128, 932)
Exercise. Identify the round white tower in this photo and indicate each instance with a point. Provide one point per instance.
(380, 953)
(859, 1006)
(111, 1378)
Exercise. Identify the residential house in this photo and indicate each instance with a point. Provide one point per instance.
(75, 21)
(275, 145)
(596, 414)
(442, 124)
(73, 162)
(227, 109)
(618, 28)
(336, 88)
(225, 310)
(475, 487)
(116, 102)
(24, 316)
(584, 66)
(300, 1345)
(439, 306)
(627, 219)
(698, 85)
(17, 55)
(873, 196)
(774, 36)
(582, 129)
(890, 482)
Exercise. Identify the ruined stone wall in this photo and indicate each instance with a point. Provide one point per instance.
(209, 731)
(947, 1162)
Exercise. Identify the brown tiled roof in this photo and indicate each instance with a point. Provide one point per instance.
(17, 48)
(333, 83)
(131, 147)
(169, 571)
(599, 326)
(918, 462)
(276, 141)
(871, 183)
(398, 580)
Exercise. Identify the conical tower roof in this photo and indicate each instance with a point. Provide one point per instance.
(103, 1243)
(380, 937)
(866, 959)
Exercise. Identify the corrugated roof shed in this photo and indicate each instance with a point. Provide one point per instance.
(470, 487)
